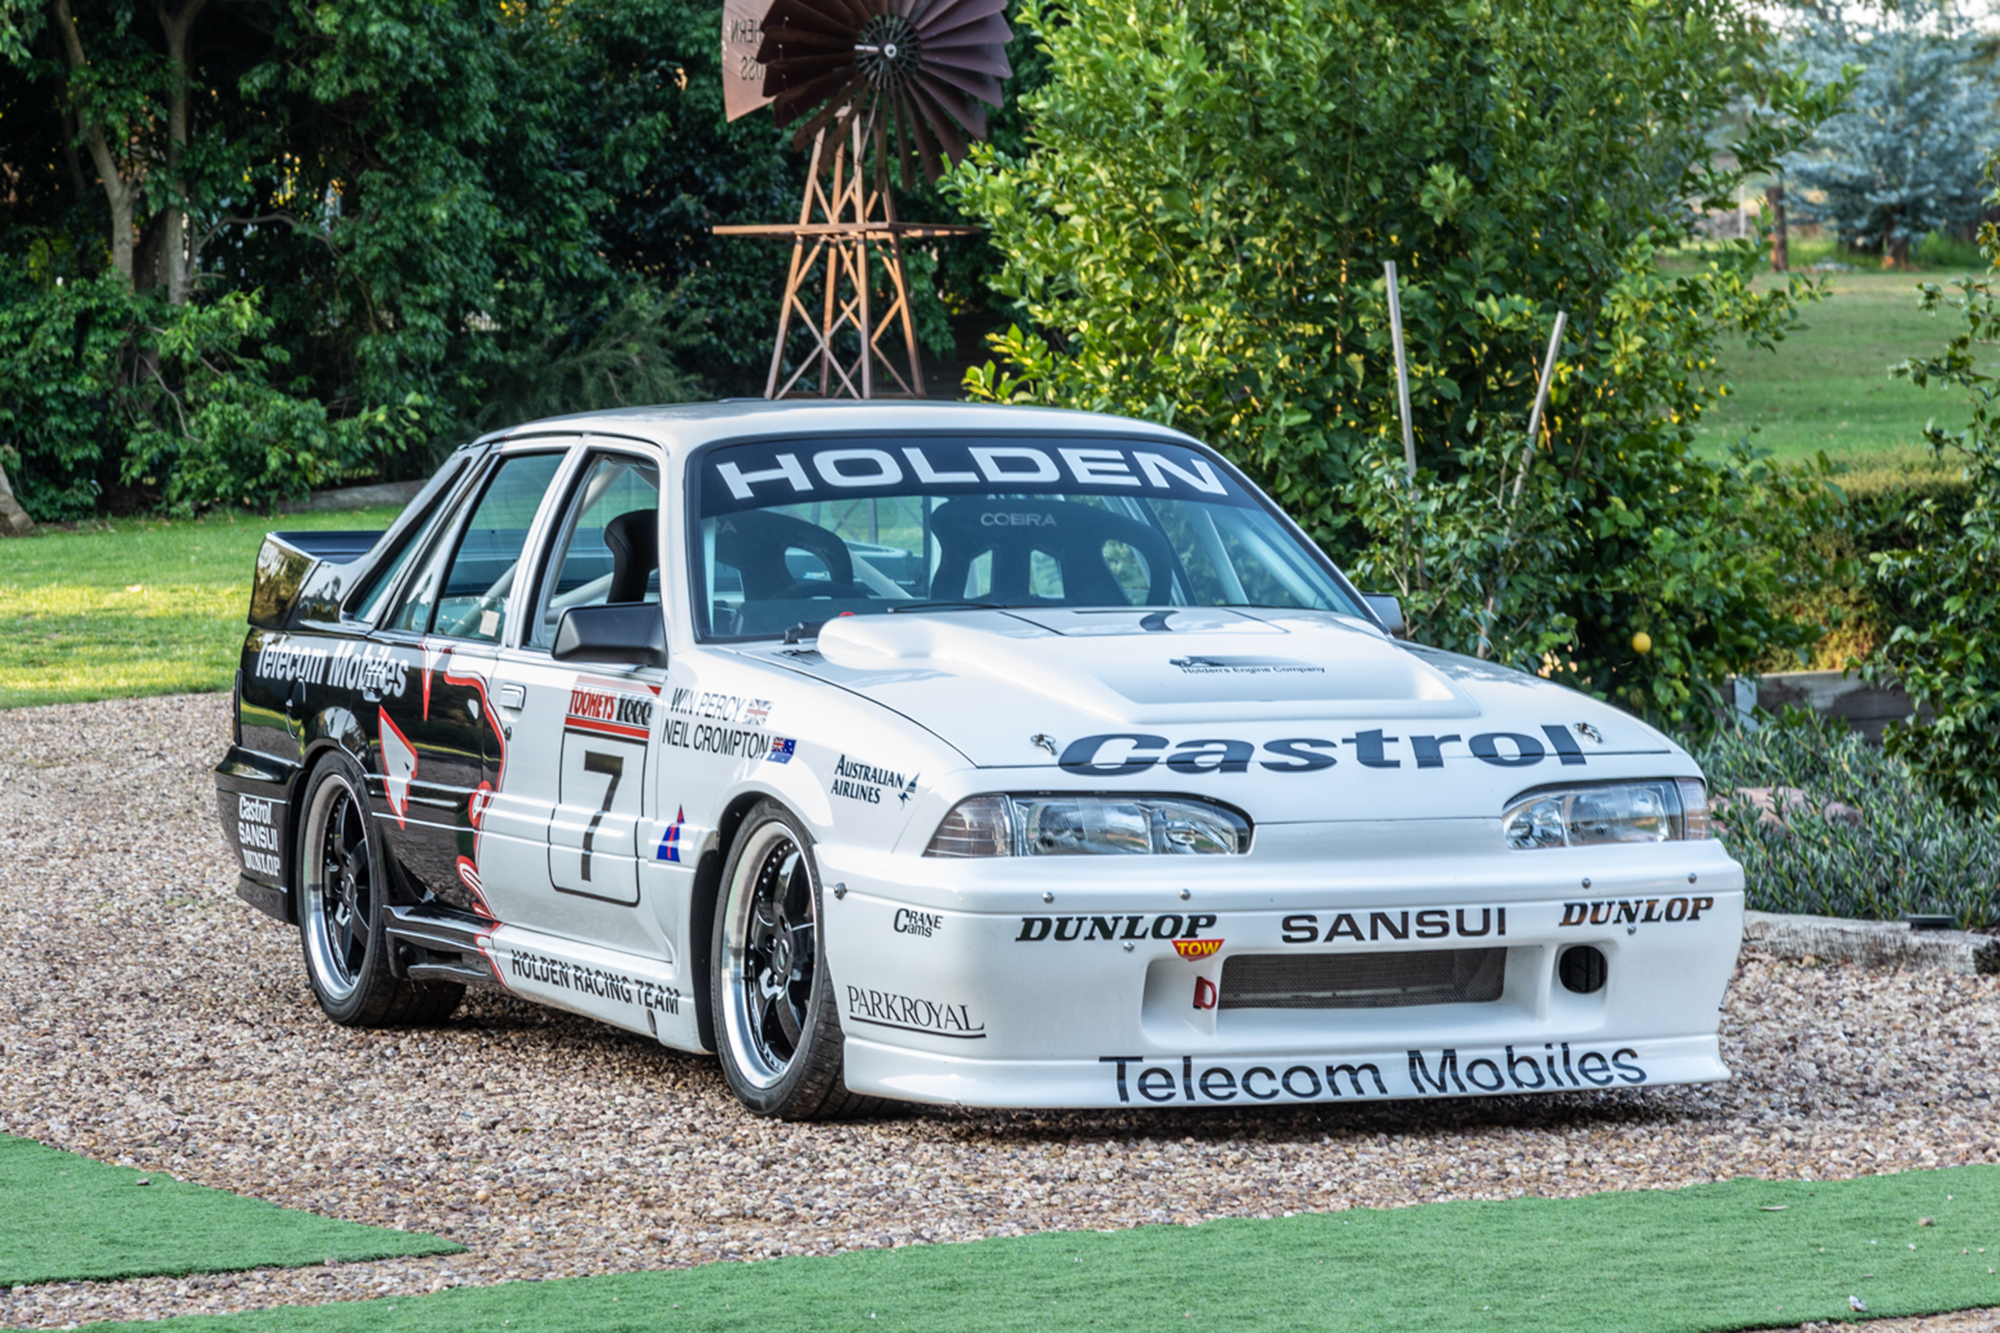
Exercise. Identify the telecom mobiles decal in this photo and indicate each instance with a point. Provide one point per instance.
(607, 732)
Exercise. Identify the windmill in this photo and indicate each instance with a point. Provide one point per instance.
(869, 84)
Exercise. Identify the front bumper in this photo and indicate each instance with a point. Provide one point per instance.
(1060, 984)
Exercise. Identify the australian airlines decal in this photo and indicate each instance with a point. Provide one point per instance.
(752, 476)
(1125, 754)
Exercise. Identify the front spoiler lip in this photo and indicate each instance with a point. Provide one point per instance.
(1121, 1081)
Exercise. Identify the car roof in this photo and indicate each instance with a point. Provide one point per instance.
(682, 427)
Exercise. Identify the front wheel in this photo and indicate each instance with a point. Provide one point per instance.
(343, 909)
(777, 1028)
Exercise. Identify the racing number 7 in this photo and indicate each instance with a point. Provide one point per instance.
(613, 767)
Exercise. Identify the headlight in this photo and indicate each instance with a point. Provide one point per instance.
(1663, 810)
(1051, 825)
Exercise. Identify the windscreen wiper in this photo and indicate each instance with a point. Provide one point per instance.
(946, 606)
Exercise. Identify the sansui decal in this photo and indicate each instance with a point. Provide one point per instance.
(910, 1014)
(1197, 948)
(399, 768)
(1434, 923)
(1634, 911)
(257, 836)
(1166, 926)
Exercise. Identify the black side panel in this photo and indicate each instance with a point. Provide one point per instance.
(253, 802)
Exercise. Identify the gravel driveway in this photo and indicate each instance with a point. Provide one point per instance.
(149, 1018)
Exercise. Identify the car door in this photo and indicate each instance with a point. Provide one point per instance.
(571, 812)
(441, 745)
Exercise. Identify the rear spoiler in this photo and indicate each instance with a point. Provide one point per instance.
(301, 575)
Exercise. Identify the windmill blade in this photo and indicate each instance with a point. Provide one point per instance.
(983, 87)
(955, 106)
(907, 115)
(832, 89)
(989, 31)
(948, 15)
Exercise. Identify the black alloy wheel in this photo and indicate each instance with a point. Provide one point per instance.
(777, 1026)
(343, 908)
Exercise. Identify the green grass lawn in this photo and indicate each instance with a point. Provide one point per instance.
(1744, 1254)
(1827, 387)
(65, 1218)
(134, 606)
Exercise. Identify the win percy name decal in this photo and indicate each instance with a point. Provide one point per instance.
(720, 723)
(1120, 754)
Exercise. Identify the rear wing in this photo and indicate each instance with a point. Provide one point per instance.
(302, 575)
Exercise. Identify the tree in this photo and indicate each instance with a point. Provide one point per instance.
(1902, 158)
(1198, 233)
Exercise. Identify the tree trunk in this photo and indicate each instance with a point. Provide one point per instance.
(117, 189)
(14, 520)
(178, 266)
(1781, 247)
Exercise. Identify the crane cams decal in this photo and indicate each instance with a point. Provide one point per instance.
(1120, 754)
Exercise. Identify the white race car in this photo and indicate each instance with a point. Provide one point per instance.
(953, 754)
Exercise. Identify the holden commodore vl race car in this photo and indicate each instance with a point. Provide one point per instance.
(952, 754)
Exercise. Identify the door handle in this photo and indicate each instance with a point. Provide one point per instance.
(513, 696)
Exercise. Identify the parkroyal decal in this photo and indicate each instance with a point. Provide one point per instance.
(257, 835)
(1556, 1067)
(611, 708)
(1434, 923)
(866, 783)
(1165, 926)
(373, 669)
(752, 476)
(1634, 911)
(1121, 754)
(911, 1014)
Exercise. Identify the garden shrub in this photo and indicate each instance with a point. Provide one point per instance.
(1911, 853)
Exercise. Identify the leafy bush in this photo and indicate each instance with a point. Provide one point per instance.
(102, 386)
(1911, 853)
(1197, 237)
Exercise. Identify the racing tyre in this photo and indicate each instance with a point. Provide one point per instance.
(343, 909)
(777, 1026)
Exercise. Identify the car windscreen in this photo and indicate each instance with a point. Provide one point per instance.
(800, 531)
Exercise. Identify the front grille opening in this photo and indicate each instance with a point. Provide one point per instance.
(1362, 980)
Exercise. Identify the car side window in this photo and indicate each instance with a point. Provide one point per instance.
(608, 547)
(468, 595)
(415, 542)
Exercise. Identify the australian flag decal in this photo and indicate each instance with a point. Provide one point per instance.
(782, 750)
(670, 842)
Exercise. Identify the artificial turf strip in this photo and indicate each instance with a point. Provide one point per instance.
(65, 1218)
(1745, 1254)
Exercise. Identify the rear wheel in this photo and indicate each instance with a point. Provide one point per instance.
(343, 910)
(777, 1028)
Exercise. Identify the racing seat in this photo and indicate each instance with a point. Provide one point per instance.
(634, 541)
(755, 543)
(1076, 537)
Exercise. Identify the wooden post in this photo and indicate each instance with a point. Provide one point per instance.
(1781, 249)
(14, 520)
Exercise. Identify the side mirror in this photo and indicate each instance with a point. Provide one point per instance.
(628, 633)
(1389, 611)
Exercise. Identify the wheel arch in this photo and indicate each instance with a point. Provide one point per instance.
(329, 732)
(707, 893)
